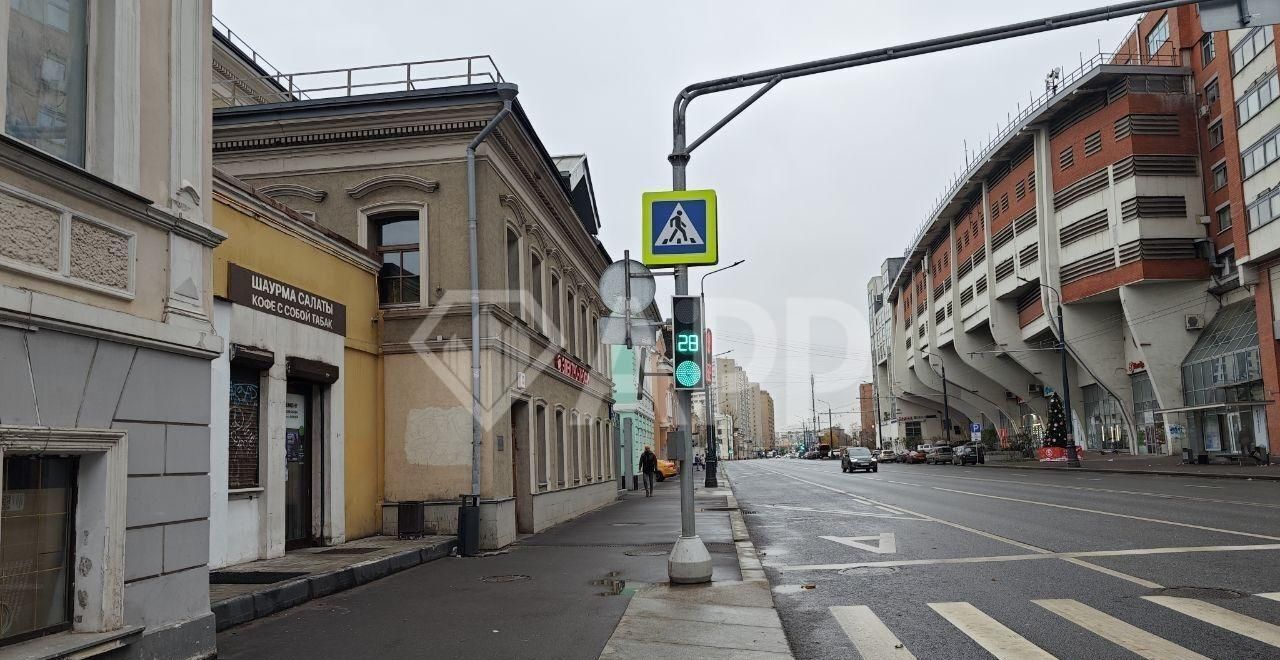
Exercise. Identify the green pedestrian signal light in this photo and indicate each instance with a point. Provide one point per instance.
(688, 356)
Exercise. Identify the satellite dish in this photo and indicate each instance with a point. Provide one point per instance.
(613, 287)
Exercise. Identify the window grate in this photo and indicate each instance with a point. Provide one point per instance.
(1019, 189)
(1002, 237)
(1066, 158)
(980, 286)
(1153, 207)
(1155, 166)
(1028, 255)
(1004, 269)
(979, 257)
(1087, 226)
(1025, 223)
(1081, 189)
(966, 296)
(1091, 265)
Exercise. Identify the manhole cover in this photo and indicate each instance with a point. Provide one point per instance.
(1201, 592)
(860, 571)
(505, 578)
(252, 577)
(749, 511)
(646, 553)
(348, 551)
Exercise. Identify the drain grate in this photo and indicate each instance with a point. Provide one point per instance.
(252, 577)
(515, 577)
(867, 571)
(1210, 593)
(646, 553)
(348, 551)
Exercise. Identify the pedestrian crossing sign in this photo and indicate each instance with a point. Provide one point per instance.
(680, 228)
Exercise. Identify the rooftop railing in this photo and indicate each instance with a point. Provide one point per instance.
(1015, 123)
(258, 60)
(360, 80)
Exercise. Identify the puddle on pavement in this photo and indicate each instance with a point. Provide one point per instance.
(613, 584)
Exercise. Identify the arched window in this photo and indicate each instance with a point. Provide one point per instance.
(574, 448)
(513, 272)
(537, 314)
(541, 458)
(560, 462)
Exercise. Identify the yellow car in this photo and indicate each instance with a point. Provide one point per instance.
(667, 468)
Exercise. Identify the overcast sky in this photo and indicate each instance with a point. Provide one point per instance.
(818, 182)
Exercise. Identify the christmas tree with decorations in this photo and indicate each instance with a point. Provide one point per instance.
(1055, 433)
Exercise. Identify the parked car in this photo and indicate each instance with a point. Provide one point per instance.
(835, 453)
(859, 458)
(939, 454)
(965, 454)
(667, 468)
(887, 456)
(918, 454)
(813, 454)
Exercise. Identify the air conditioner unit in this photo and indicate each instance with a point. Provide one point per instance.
(1204, 111)
(1194, 321)
(1034, 389)
(1203, 219)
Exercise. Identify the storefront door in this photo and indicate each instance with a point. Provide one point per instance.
(297, 447)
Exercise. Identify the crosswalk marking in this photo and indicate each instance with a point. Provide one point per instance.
(1223, 618)
(992, 635)
(1272, 596)
(869, 634)
(1116, 631)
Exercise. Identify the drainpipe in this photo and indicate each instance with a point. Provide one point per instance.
(469, 513)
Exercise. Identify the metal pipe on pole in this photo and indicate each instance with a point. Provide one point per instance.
(469, 514)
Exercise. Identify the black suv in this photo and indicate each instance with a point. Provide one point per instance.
(965, 454)
(939, 454)
(858, 458)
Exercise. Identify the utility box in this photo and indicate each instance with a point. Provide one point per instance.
(410, 520)
(469, 526)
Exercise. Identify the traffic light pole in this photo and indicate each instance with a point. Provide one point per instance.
(689, 562)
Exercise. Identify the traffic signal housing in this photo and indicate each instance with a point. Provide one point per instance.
(688, 356)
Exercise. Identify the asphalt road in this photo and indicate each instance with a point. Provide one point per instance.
(972, 562)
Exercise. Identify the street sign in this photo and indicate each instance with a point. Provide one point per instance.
(680, 228)
(686, 320)
(975, 432)
(616, 293)
(1218, 15)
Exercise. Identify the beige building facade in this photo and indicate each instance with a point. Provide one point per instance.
(387, 172)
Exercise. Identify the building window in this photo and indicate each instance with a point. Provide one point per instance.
(575, 449)
(36, 550)
(1264, 210)
(560, 463)
(1224, 218)
(913, 431)
(535, 286)
(1263, 153)
(1227, 264)
(513, 272)
(583, 351)
(1212, 92)
(1215, 134)
(46, 84)
(1219, 176)
(1207, 49)
(395, 239)
(1257, 98)
(1158, 35)
(244, 427)
(556, 321)
(1249, 47)
(571, 324)
(540, 421)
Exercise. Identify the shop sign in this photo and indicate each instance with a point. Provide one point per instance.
(570, 367)
(1056, 454)
(269, 295)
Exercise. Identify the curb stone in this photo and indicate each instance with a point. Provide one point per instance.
(248, 607)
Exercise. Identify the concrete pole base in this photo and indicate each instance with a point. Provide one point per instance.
(689, 563)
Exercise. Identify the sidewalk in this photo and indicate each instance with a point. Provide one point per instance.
(560, 594)
(1161, 465)
(243, 592)
(723, 620)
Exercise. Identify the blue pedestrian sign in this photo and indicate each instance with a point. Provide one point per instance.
(680, 228)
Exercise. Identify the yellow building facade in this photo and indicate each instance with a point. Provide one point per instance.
(296, 455)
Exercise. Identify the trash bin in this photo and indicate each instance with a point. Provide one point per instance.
(469, 526)
(410, 520)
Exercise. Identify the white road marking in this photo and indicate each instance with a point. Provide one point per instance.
(971, 530)
(1042, 555)
(1141, 582)
(1221, 617)
(1101, 513)
(992, 635)
(1198, 486)
(838, 512)
(885, 543)
(1272, 596)
(1093, 489)
(1118, 632)
(869, 634)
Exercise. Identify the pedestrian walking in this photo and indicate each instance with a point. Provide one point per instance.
(649, 467)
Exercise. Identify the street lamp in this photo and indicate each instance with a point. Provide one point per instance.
(946, 406)
(712, 452)
(1073, 459)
